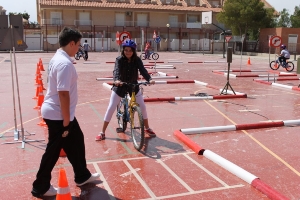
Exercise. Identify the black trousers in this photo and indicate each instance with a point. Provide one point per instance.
(86, 54)
(74, 147)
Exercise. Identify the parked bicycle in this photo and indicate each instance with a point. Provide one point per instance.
(80, 54)
(129, 110)
(154, 55)
(275, 64)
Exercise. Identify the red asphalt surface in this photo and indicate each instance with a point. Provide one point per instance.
(165, 168)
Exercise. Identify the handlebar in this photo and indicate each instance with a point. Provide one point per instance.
(133, 84)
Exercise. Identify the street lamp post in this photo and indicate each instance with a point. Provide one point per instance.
(168, 25)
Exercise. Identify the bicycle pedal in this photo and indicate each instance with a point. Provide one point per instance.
(119, 130)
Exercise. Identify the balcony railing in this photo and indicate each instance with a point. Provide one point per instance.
(131, 23)
(52, 21)
(83, 22)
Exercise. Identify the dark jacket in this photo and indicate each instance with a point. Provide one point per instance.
(128, 72)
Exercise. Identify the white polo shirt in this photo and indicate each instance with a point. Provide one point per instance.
(285, 53)
(62, 76)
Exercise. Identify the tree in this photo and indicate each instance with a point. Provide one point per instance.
(244, 16)
(284, 19)
(295, 18)
(25, 15)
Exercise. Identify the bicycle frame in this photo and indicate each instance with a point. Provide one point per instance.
(132, 103)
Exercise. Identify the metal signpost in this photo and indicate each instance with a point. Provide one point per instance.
(242, 40)
(229, 60)
(157, 40)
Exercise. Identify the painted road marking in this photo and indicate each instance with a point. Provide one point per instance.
(258, 142)
(104, 182)
(142, 182)
(255, 110)
(160, 161)
(206, 170)
(176, 176)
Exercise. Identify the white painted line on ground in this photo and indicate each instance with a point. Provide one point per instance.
(105, 184)
(176, 176)
(206, 170)
(142, 182)
(197, 192)
(255, 110)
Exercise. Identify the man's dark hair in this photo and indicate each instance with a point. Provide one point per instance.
(68, 35)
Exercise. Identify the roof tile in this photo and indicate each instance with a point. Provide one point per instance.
(131, 5)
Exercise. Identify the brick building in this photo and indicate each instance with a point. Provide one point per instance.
(289, 36)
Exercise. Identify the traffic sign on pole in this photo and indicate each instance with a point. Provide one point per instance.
(123, 36)
(275, 41)
(154, 35)
(227, 38)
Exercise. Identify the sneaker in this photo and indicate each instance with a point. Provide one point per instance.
(51, 192)
(93, 177)
(150, 132)
(100, 137)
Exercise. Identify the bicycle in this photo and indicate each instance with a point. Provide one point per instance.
(80, 54)
(275, 64)
(128, 110)
(154, 55)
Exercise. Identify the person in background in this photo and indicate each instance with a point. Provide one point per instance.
(147, 50)
(86, 48)
(284, 55)
(58, 111)
(127, 68)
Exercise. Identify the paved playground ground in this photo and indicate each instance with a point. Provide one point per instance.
(166, 168)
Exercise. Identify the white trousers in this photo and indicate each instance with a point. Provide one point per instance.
(115, 100)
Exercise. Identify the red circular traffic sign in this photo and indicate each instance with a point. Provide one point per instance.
(124, 35)
(275, 41)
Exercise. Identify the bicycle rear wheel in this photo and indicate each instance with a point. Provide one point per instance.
(121, 116)
(289, 66)
(155, 56)
(137, 128)
(274, 65)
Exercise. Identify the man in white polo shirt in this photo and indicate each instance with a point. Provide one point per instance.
(58, 111)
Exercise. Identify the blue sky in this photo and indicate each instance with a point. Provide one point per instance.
(30, 6)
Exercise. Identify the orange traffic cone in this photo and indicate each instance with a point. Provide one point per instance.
(40, 98)
(37, 73)
(62, 153)
(41, 65)
(63, 191)
(249, 63)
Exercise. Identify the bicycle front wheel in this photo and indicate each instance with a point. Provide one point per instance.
(77, 57)
(121, 116)
(289, 66)
(155, 56)
(137, 128)
(274, 65)
(143, 56)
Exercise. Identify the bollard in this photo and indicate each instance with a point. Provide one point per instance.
(295, 54)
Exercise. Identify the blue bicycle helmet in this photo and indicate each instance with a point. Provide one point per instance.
(129, 43)
(283, 46)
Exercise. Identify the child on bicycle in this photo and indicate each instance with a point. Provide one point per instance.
(147, 50)
(284, 55)
(127, 68)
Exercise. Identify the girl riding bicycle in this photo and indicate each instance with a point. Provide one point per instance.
(127, 68)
